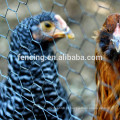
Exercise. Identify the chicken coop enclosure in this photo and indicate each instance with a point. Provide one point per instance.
(83, 17)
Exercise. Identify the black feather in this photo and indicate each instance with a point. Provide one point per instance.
(33, 89)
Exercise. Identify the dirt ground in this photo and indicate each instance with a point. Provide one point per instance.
(83, 17)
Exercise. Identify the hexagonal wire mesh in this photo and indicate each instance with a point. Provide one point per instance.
(83, 17)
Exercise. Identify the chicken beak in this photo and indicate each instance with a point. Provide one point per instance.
(70, 35)
(62, 34)
(116, 38)
(64, 30)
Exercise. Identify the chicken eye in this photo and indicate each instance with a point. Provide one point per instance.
(48, 25)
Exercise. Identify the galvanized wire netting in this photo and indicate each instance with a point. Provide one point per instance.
(83, 17)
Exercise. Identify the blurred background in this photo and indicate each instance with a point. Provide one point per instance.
(83, 17)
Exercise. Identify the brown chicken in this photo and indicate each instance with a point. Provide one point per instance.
(108, 70)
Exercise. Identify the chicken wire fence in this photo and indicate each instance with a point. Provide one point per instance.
(83, 17)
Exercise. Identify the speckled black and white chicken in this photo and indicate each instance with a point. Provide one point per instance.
(32, 90)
